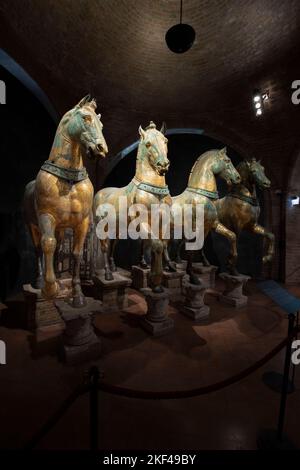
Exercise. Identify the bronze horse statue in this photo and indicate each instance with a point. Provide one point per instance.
(239, 209)
(202, 189)
(147, 187)
(62, 195)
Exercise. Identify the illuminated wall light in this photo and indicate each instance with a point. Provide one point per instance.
(295, 201)
(258, 101)
(258, 105)
(258, 112)
(256, 98)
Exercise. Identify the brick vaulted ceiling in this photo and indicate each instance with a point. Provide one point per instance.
(115, 49)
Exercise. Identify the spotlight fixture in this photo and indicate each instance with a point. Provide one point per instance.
(180, 37)
(295, 200)
(258, 101)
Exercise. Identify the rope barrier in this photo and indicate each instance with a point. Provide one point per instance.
(50, 423)
(168, 395)
(150, 395)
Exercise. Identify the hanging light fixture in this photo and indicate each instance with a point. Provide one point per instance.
(181, 36)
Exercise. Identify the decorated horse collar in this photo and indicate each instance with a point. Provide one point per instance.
(249, 199)
(72, 175)
(151, 188)
(204, 192)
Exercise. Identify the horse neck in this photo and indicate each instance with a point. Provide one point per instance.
(65, 153)
(202, 176)
(146, 173)
(246, 187)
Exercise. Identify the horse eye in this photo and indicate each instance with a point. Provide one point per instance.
(148, 144)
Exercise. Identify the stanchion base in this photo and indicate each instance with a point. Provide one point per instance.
(273, 380)
(268, 440)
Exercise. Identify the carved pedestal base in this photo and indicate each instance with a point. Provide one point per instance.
(156, 321)
(194, 306)
(80, 343)
(207, 274)
(173, 282)
(233, 294)
(113, 294)
(140, 277)
(42, 316)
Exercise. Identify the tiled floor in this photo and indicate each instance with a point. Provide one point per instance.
(34, 382)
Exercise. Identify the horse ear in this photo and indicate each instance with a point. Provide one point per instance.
(84, 100)
(99, 116)
(142, 132)
(163, 128)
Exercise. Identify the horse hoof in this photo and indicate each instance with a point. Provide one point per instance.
(172, 267)
(38, 283)
(194, 279)
(144, 265)
(157, 289)
(50, 290)
(78, 301)
(108, 276)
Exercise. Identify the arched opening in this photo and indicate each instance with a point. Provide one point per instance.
(27, 130)
(185, 146)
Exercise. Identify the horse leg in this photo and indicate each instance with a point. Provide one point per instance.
(48, 244)
(232, 238)
(169, 265)
(156, 271)
(203, 258)
(111, 255)
(179, 244)
(259, 230)
(105, 248)
(36, 238)
(58, 252)
(143, 263)
(80, 232)
(194, 279)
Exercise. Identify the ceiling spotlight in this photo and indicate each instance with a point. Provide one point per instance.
(256, 98)
(180, 37)
(259, 112)
(258, 105)
(295, 201)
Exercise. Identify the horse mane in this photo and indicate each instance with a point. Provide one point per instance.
(202, 156)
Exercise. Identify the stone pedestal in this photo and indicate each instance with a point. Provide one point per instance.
(42, 316)
(233, 294)
(173, 282)
(113, 294)
(207, 274)
(156, 321)
(140, 277)
(194, 306)
(80, 343)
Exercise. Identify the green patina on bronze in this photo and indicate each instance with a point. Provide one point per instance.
(72, 175)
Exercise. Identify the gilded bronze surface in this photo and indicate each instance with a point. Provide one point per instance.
(53, 203)
(239, 210)
(202, 189)
(147, 187)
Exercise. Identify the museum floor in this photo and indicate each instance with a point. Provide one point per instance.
(34, 382)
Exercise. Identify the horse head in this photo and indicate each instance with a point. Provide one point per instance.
(153, 147)
(83, 126)
(225, 169)
(256, 173)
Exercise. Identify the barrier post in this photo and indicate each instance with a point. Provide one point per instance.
(286, 373)
(93, 390)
